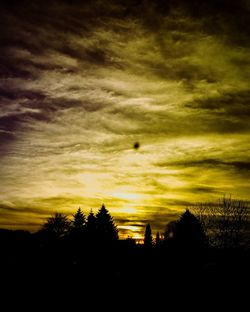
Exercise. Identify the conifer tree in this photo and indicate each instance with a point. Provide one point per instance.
(91, 226)
(57, 225)
(79, 220)
(157, 239)
(106, 228)
(148, 237)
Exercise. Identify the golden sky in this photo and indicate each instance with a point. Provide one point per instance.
(81, 83)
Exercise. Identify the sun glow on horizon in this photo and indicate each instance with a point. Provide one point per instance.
(146, 117)
(130, 231)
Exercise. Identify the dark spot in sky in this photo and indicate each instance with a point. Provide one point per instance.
(136, 145)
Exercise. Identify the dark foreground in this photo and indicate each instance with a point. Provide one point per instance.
(30, 263)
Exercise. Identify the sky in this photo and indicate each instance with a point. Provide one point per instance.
(82, 81)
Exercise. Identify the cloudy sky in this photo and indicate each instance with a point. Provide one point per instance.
(82, 81)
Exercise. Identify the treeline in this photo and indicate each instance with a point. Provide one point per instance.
(206, 243)
(99, 227)
(223, 224)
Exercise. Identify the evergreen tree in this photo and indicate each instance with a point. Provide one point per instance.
(148, 237)
(157, 239)
(58, 225)
(91, 226)
(106, 228)
(79, 220)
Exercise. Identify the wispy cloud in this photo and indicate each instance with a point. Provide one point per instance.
(81, 83)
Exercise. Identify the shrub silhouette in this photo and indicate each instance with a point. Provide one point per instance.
(170, 230)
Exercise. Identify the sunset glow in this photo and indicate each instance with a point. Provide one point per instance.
(81, 84)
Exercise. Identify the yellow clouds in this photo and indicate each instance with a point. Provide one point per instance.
(79, 89)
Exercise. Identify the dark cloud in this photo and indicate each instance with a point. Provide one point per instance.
(161, 219)
(211, 163)
(6, 92)
(203, 189)
(12, 209)
(227, 104)
(158, 220)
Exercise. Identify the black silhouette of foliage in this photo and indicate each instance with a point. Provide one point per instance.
(157, 239)
(79, 220)
(59, 245)
(148, 240)
(170, 230)
(106, 228)
(224, 221)
(57, 225)
(91, 226)
(189, 233)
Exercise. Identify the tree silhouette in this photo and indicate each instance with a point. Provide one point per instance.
(224, 221)
(157, 239)
(79, 220)
(106, 228)
(91, 226)
(148, 240)
(57, 225)
(188, 232)
(170, 231)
